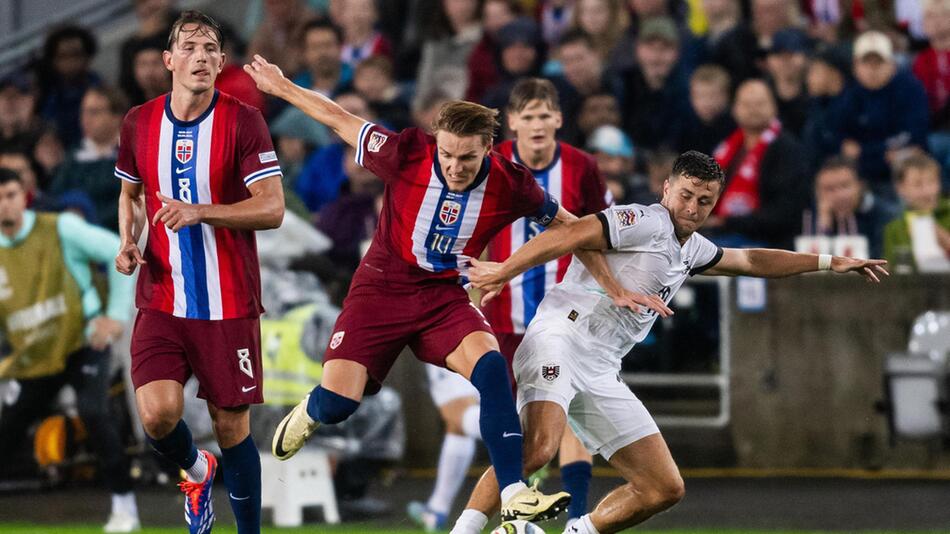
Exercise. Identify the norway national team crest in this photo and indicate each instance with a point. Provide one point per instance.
(550, 372)
(184, 148)
(449, 212)
(337, 339)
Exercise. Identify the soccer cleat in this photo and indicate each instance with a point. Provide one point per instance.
(422, 516)
(199, 512)
(293, 430)
(122, 522)
(530, 504)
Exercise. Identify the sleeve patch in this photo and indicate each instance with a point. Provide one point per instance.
(376, 141)
(625, 217)
(267, 157)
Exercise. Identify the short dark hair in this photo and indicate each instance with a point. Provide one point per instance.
(835, 163)
(467, 118)
(9, 175)
(695, 164)
(529, 89)
(577, 35)
(118, 103)
(65, 33)
(323, 24)
(920, 161)
(194, 17)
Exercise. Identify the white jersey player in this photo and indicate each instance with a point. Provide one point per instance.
(568, 362)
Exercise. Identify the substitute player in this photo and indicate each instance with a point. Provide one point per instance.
(568, 363)
(445, 197)
(202, 165)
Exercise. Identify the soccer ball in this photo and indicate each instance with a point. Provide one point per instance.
(518, 526)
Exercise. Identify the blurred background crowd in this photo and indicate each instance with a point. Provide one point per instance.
(830, 117)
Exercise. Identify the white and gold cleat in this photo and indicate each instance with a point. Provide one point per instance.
(530, 504)
(293, 431)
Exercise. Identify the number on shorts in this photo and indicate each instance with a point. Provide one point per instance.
(244, 362)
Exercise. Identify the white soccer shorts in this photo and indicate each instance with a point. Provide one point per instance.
(446, 386)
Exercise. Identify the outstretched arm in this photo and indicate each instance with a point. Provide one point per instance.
(272, 81)
(773, 263)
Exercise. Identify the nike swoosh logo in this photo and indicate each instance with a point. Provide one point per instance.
(179, 170)
(245, 389)
(511, 435)
(441, 228)
(238, 498)
(279, 448)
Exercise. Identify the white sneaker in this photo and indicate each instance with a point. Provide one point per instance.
(122, 522)
(292, 432)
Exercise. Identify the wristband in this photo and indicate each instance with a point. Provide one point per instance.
(824, 262)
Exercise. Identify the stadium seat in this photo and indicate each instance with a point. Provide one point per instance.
(288, 487)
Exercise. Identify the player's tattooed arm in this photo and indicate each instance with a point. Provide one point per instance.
(272, 81)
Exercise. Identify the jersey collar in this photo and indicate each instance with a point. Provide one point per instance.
(188, 124)
(479, 178)
(29, 219)
(549, 166)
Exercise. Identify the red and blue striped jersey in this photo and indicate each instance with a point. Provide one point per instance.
(572, 178)
(201, 271)
(425, 225)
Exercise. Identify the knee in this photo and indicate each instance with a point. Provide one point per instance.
(537, 455)
(230, 427)
(669, 492)
(331, 408)
(159, 419)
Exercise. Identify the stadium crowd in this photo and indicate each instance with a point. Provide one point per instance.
(830, 117)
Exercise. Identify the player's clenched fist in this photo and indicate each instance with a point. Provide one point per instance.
(267, 75)
(128, 259)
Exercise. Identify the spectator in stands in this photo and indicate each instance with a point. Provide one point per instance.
(766, 175)
(89, 168)
(19, 127)
(583, 75)
(483, 63)
(827, 77)
(154, 19)
(521, 53)
(64, 76)
(555, 17)
(597, 110)
(739, 50)
(925, 221)
(785, 64)
(351, 217)
(455, 30)
(323, 174)
(361, 39)
(655, 94)
(845, 206)
(150, 78)
(708, 121)
(232, 79)
(322, 69)
(277, 37)
(722, 18)
(616, 161)
(605, 21)
(428, 108)
(883, 114)
(932, 68)
(373, 80)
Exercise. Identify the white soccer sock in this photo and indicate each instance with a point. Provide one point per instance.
(454, 460)
(511, 490)
(199, 470)
(124, 503)
(470, 423)
(581, 526)
(470, 522)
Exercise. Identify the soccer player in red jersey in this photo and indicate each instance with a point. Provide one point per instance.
(198, 167)
(446, 196)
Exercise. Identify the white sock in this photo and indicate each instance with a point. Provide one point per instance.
(124, 503)
(470, 423)
(470, 522)
(510, 491)
(582, 526)
(454, 460)
(199, 470)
